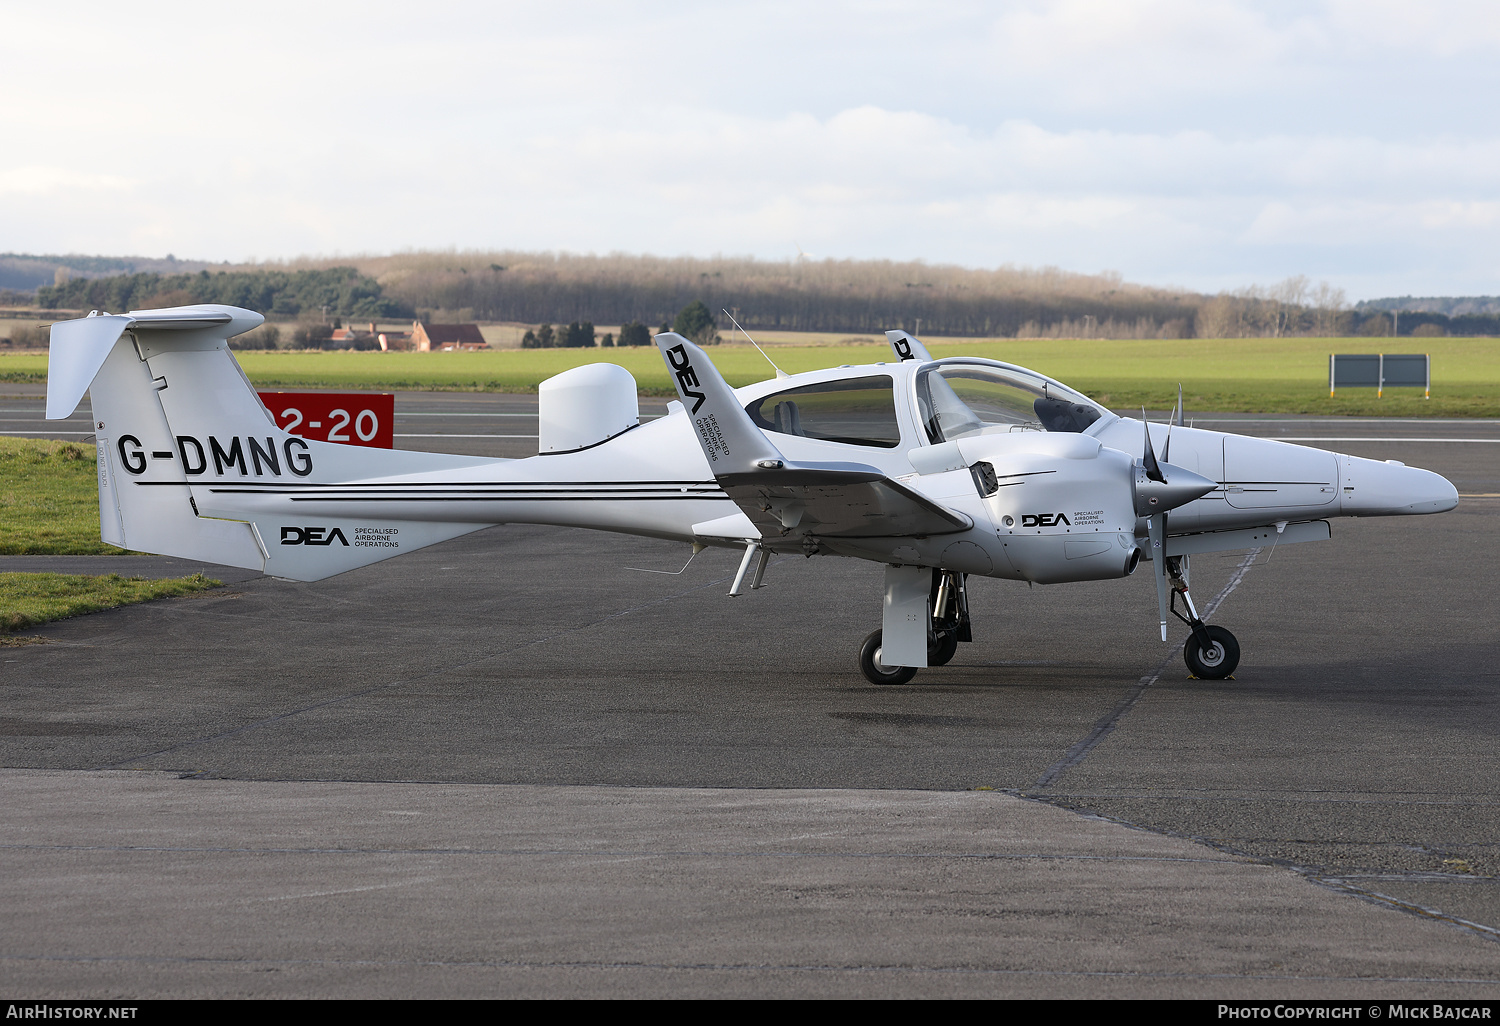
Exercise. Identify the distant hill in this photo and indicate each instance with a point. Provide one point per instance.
(26, 272)
(1449, 306)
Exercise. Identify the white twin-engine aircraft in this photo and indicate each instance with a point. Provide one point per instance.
(936, 469)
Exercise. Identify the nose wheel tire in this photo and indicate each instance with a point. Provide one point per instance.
(876, 672)
(1218, 660)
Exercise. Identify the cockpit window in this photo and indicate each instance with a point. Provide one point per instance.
(858, 411)
(959, 398)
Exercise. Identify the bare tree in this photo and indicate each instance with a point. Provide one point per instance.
(1329, 310)
(1218, 318)
(1284, 305)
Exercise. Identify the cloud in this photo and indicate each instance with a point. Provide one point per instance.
(1191, 141)
(33, 180)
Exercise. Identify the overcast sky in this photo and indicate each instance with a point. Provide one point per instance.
(1203, 143)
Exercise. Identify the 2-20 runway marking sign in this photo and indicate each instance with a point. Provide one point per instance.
(349, 418)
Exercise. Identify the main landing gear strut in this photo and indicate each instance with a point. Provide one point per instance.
(1211, 653)
(948, 616)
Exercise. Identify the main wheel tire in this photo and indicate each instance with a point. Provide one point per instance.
(942, 648)
(877, 673)
(1219, 661)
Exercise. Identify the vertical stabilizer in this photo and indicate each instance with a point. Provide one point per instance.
(907, 347)
(191, 464)
(144, 499)
(731, 441)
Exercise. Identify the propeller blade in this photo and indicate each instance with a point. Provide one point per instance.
(1180, 411)
(1156, 531)
(1153, 468)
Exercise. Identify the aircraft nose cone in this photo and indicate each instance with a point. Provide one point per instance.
(1181, 487)
(1373, 489)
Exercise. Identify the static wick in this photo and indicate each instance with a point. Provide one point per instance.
(697, 548)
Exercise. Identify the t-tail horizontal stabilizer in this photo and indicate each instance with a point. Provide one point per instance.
(785, 499)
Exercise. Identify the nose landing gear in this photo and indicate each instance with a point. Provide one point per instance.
(1212, 653)
(1213, 661)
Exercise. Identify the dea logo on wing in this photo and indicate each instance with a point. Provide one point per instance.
(312, 536)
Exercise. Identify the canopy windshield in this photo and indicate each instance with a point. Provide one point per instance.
(961, 397)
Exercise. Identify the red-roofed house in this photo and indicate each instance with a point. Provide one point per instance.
(446, 338)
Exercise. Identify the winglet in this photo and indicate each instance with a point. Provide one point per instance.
(907, 347)
(730, 439)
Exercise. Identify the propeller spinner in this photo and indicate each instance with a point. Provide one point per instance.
(1155, 491)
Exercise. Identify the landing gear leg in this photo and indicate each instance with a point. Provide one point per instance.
(893, 654)
(1212, 653)
(950, 616)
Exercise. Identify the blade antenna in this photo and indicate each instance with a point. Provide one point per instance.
(1175, 418)
(779, 372)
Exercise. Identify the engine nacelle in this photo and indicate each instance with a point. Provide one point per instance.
(1061, 505)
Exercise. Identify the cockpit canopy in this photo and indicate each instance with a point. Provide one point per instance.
(956, 398)
(960, 397)
(856, 411)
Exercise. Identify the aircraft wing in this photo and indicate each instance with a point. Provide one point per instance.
(829, 500)
(834, 502)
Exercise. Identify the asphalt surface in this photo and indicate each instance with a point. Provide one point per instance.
(1324, 824)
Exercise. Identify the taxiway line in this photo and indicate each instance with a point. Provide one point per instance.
(1106, 724)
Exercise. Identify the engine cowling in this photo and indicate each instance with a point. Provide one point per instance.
(1062, 506)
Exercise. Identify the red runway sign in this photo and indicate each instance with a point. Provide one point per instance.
(353, 418)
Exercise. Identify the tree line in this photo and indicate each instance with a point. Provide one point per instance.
(565, 295)
(333, 291)
(694, 320)
(1297, 307)
(832, 295)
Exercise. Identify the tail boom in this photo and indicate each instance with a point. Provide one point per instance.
(192, 464)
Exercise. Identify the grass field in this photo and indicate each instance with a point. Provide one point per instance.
(49, 499)
(1288, 375)
(49, 505)
(29, 599)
